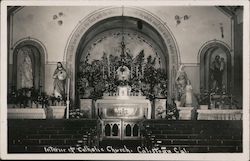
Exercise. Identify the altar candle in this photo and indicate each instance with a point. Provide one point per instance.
(108, 70)
(108, 67)
(103, 71)
(137, 72)
(142, 71)
(131, 71)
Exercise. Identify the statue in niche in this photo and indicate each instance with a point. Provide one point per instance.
(26, 73)
(216, 73)
(59, 77)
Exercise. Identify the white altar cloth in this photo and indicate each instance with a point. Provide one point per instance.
(26, 113)
(218, 114)
(123, 108)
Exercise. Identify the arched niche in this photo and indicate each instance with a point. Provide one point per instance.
(128, 130)
(209, 77)
(107, 130)
(83, 32)
(36, 52)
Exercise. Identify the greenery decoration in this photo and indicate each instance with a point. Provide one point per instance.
(99, 76)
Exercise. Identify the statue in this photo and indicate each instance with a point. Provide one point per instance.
(185, 90)
(216, 73)
(26, 73)
(189, 94)
(181, 82)
(59, 77)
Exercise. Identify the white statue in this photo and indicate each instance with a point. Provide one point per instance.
(59, 77)
(26, 73)
(189, 94)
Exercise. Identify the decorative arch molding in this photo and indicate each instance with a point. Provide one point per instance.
(203, 54)
(135, 12)
(41, 57)
(34, 42)
(212, 43)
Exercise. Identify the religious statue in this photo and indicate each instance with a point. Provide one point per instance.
(26, 73)
(189, 94)
(181, 82)
(216, 73)
(59, 77)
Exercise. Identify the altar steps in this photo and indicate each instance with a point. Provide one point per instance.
(194, 136)
(33, 136)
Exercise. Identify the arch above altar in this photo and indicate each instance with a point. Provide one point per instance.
(169, 46)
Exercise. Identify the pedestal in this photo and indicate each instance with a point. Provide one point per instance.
(56, 112)
(86, 107)
(186, 113)
(159, 108)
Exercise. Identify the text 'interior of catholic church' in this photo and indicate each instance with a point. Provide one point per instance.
(165, 79)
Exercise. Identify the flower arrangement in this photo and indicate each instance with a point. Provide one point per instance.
(99, 77)
(77, 113)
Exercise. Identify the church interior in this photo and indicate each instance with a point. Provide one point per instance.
(125, 79)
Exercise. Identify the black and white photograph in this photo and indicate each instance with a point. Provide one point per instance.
(125, 80)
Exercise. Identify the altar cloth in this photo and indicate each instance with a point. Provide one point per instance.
(218, 114)
(26, 113)
(123, 108)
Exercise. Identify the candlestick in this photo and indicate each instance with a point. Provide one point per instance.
(67, 102)
(131, 71)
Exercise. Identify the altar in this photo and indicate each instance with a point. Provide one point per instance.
(220, 114)
(120, 117)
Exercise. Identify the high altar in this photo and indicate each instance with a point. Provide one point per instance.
(121, 116)
(121, 112)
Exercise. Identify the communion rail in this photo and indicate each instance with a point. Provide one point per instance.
(194, 136)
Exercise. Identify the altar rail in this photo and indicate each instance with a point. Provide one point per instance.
(32, 135)
(202, 136)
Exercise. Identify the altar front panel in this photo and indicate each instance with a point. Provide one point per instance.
(123, 109)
